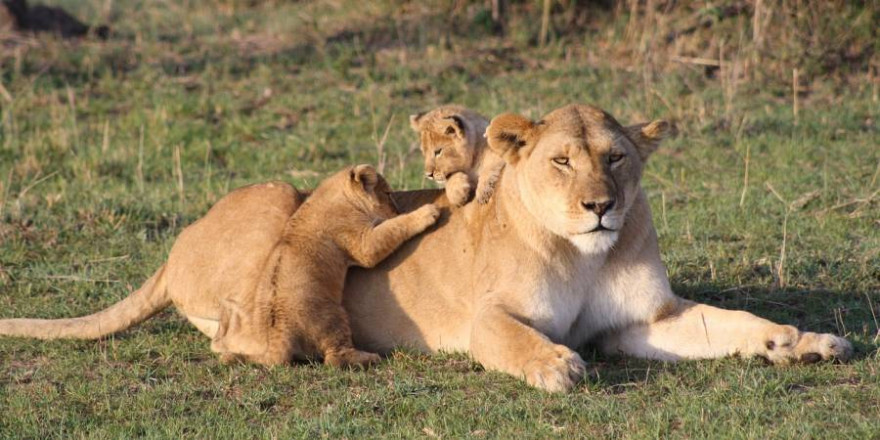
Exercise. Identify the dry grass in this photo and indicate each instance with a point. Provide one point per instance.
(108, 149)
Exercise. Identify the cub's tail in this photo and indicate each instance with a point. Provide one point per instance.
(143, 303)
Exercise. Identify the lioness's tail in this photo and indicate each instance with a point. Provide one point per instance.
(137, 307)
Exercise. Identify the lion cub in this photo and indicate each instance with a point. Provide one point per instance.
(456, 152)
(296, 310)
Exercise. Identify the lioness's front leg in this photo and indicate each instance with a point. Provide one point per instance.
(501, 341)
(699, 331)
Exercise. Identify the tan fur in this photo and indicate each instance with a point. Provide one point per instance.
(295, 310)
(525, 278)
(456, 153)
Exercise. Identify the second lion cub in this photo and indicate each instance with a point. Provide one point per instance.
(456, 152)
(296, 310)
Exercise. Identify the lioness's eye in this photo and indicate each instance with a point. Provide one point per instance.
(437, 152)
(614, 158)
(560, 160)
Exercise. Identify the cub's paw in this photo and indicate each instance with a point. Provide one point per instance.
(426, 216)
(559, 371)
(786, 345)
(230, 358)
(458, 189)
(351, 358)
(485, 195)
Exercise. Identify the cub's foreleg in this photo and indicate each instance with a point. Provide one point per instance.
(380, 241)
(487, 181)
(458, 189)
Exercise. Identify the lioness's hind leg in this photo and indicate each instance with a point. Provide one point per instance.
(785, 344)
(700, 331)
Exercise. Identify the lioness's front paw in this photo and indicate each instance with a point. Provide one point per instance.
(786, 345)
(458, 189)
(558, 372)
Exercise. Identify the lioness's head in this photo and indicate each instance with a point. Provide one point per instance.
(450, 136)
(362, 187)
(577, 169)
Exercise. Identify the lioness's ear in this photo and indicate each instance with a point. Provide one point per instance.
(365, 176)
(415, 121)
(647, 136)
(508, 134)
(455, 127)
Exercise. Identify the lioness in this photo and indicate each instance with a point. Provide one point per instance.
(296, 310)
(563, 253)
(456, 153)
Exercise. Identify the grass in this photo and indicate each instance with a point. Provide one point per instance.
(108, 149)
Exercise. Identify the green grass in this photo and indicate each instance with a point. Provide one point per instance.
(92, 195)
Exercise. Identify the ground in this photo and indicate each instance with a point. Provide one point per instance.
(766, 200)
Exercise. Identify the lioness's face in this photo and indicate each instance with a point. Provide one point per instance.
(577, 170)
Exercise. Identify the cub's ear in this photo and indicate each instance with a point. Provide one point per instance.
(415, 121)
(509, 134)
(455, 127)
(647, 136)
(365, 176)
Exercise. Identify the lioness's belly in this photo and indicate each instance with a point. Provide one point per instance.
(393, 309)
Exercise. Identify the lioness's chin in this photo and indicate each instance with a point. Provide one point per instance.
(594, 242)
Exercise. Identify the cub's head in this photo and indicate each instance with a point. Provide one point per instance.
(577, 169)
(366, 190)
(450, 138)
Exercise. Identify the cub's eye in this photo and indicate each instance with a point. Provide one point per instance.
(560, 161)
(616, 157)
(438, 152)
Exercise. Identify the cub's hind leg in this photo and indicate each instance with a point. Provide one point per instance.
(329, 330)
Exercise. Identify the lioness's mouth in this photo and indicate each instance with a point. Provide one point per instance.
(600, 228)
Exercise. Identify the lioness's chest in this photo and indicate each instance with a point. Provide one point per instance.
(571, 310)
(558, 303)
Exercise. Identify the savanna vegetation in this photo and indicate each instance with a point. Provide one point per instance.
(768, 199)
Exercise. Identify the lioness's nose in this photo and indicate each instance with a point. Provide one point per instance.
(429, 175)
(599, 207)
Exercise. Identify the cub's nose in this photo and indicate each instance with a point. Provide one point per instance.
(599, 207)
